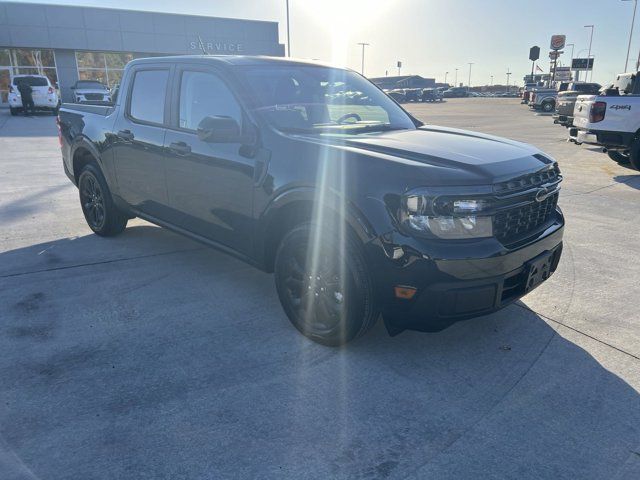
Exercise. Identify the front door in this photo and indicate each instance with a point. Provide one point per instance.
(138, 141)
(210, 185)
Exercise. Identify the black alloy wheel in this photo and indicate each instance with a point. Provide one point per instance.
(101, 214)
(92, 202)
(324, 289)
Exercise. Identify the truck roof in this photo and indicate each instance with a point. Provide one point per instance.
(230, 60)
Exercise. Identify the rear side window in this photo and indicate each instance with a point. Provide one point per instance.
(31, 81)
(204, 94)
(148, 95)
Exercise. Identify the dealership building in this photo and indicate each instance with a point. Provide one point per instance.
(69, 43)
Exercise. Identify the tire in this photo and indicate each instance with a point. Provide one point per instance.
(548, 107)
(634, 154)
(98, 208)
(13, 111)
(622, 158)
(333, 303)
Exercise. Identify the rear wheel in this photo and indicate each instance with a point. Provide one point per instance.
(101, 214)
(14, 111)
(620, 157)
(324, 287)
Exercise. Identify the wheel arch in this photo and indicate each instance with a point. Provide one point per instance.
(298, 206)
(83, 153)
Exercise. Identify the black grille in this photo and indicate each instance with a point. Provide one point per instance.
(527, 181)
(93, 96)
(515, 223)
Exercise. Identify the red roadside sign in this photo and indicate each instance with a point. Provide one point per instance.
(558, 41)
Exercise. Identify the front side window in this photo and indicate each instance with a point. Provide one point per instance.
(320, 99)
(148, 95)
(205, 95)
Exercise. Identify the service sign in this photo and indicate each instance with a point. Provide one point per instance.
(558, 41)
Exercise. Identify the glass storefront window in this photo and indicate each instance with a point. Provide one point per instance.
(115, 77)
(25, 61)
(90, 60)
(5, 59)
(118, 60)
(106, 67)
(93, 74)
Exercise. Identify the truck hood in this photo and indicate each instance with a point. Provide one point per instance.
(452, 156)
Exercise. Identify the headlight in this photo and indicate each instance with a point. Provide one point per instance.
(446, 217)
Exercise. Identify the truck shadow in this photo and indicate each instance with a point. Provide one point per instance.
(632, 181)
(147, 354)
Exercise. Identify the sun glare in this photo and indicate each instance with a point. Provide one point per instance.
(344, 20)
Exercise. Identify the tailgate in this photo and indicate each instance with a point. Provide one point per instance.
(581, 111)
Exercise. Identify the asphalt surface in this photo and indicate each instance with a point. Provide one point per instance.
(149, 356)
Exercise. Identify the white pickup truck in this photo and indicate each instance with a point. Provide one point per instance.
(611, 120)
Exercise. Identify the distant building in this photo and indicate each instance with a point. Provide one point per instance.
(404, 81)
(68, 43)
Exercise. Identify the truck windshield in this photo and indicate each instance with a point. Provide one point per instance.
(316, 99)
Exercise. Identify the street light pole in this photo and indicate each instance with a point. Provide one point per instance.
(363, 45)
(508, 74)
(445, 77)
(455, 84)
(469, 84)
(633, 21)
(491, 84)
(589, 54)
(288, 34)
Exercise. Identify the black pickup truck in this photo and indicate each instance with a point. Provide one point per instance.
(357, 207)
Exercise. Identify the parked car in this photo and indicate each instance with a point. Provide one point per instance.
(412, 94)
(431, 95)
(91, 91)
(566, 101)
(397, 94)
(526, 91)
(545, 98)
(358, 209)
(611, 120)
(45, 95)
(456, 92)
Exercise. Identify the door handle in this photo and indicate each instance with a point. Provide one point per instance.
(125, 134)
(180, 148)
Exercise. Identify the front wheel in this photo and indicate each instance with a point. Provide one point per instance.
(14, 111)
(324, 285)
(98, 208)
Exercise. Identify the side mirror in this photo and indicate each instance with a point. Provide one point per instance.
(218, 129)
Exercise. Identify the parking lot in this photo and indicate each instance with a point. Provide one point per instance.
(150, 356)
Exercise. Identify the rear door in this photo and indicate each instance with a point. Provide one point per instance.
(138, 139)
(210, 185)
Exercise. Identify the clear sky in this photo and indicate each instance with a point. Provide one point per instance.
(431, 37)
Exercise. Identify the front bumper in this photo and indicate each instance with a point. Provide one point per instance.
(455, 281)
